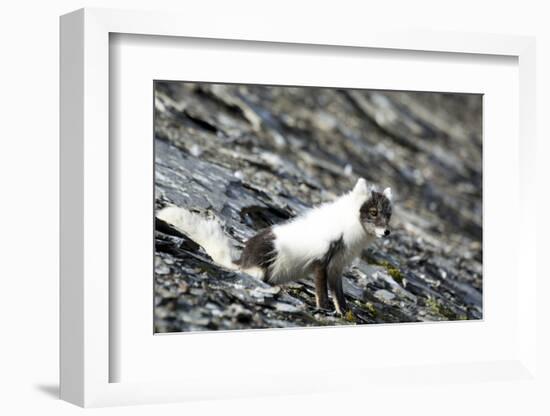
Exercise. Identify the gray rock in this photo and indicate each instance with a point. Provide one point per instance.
(286, 307)
(384, 295)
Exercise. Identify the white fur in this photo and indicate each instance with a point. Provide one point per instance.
(387, 193)
(205, 232)
(307, 238)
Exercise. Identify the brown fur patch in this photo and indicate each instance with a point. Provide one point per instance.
(259, 251)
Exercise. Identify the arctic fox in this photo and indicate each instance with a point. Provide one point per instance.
(322, 241)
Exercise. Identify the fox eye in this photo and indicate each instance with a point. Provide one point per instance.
(373, 212)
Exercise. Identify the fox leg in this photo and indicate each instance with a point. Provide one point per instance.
(321, 288)
(337, 290)
(333, 266)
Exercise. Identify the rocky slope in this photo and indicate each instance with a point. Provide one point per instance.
(255, 155)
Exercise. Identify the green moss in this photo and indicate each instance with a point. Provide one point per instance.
(396, 274)
(372, 310)
(433, 305)
(393, 271)
(350, 317)
(438, 309)
(294, 291)
(367, 307)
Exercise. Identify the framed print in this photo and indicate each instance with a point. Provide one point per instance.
(322, 208)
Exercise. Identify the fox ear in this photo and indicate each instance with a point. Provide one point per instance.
(361, 188)
(387, 193)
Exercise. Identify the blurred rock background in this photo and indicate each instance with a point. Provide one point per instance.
(257, 155)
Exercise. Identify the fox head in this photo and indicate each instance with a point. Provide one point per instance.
(376, 209)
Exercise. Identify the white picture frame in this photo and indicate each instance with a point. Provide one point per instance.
(86, 356)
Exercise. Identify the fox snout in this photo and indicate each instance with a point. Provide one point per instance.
(382, 231)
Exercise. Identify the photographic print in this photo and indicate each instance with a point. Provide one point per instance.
(292, 207)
